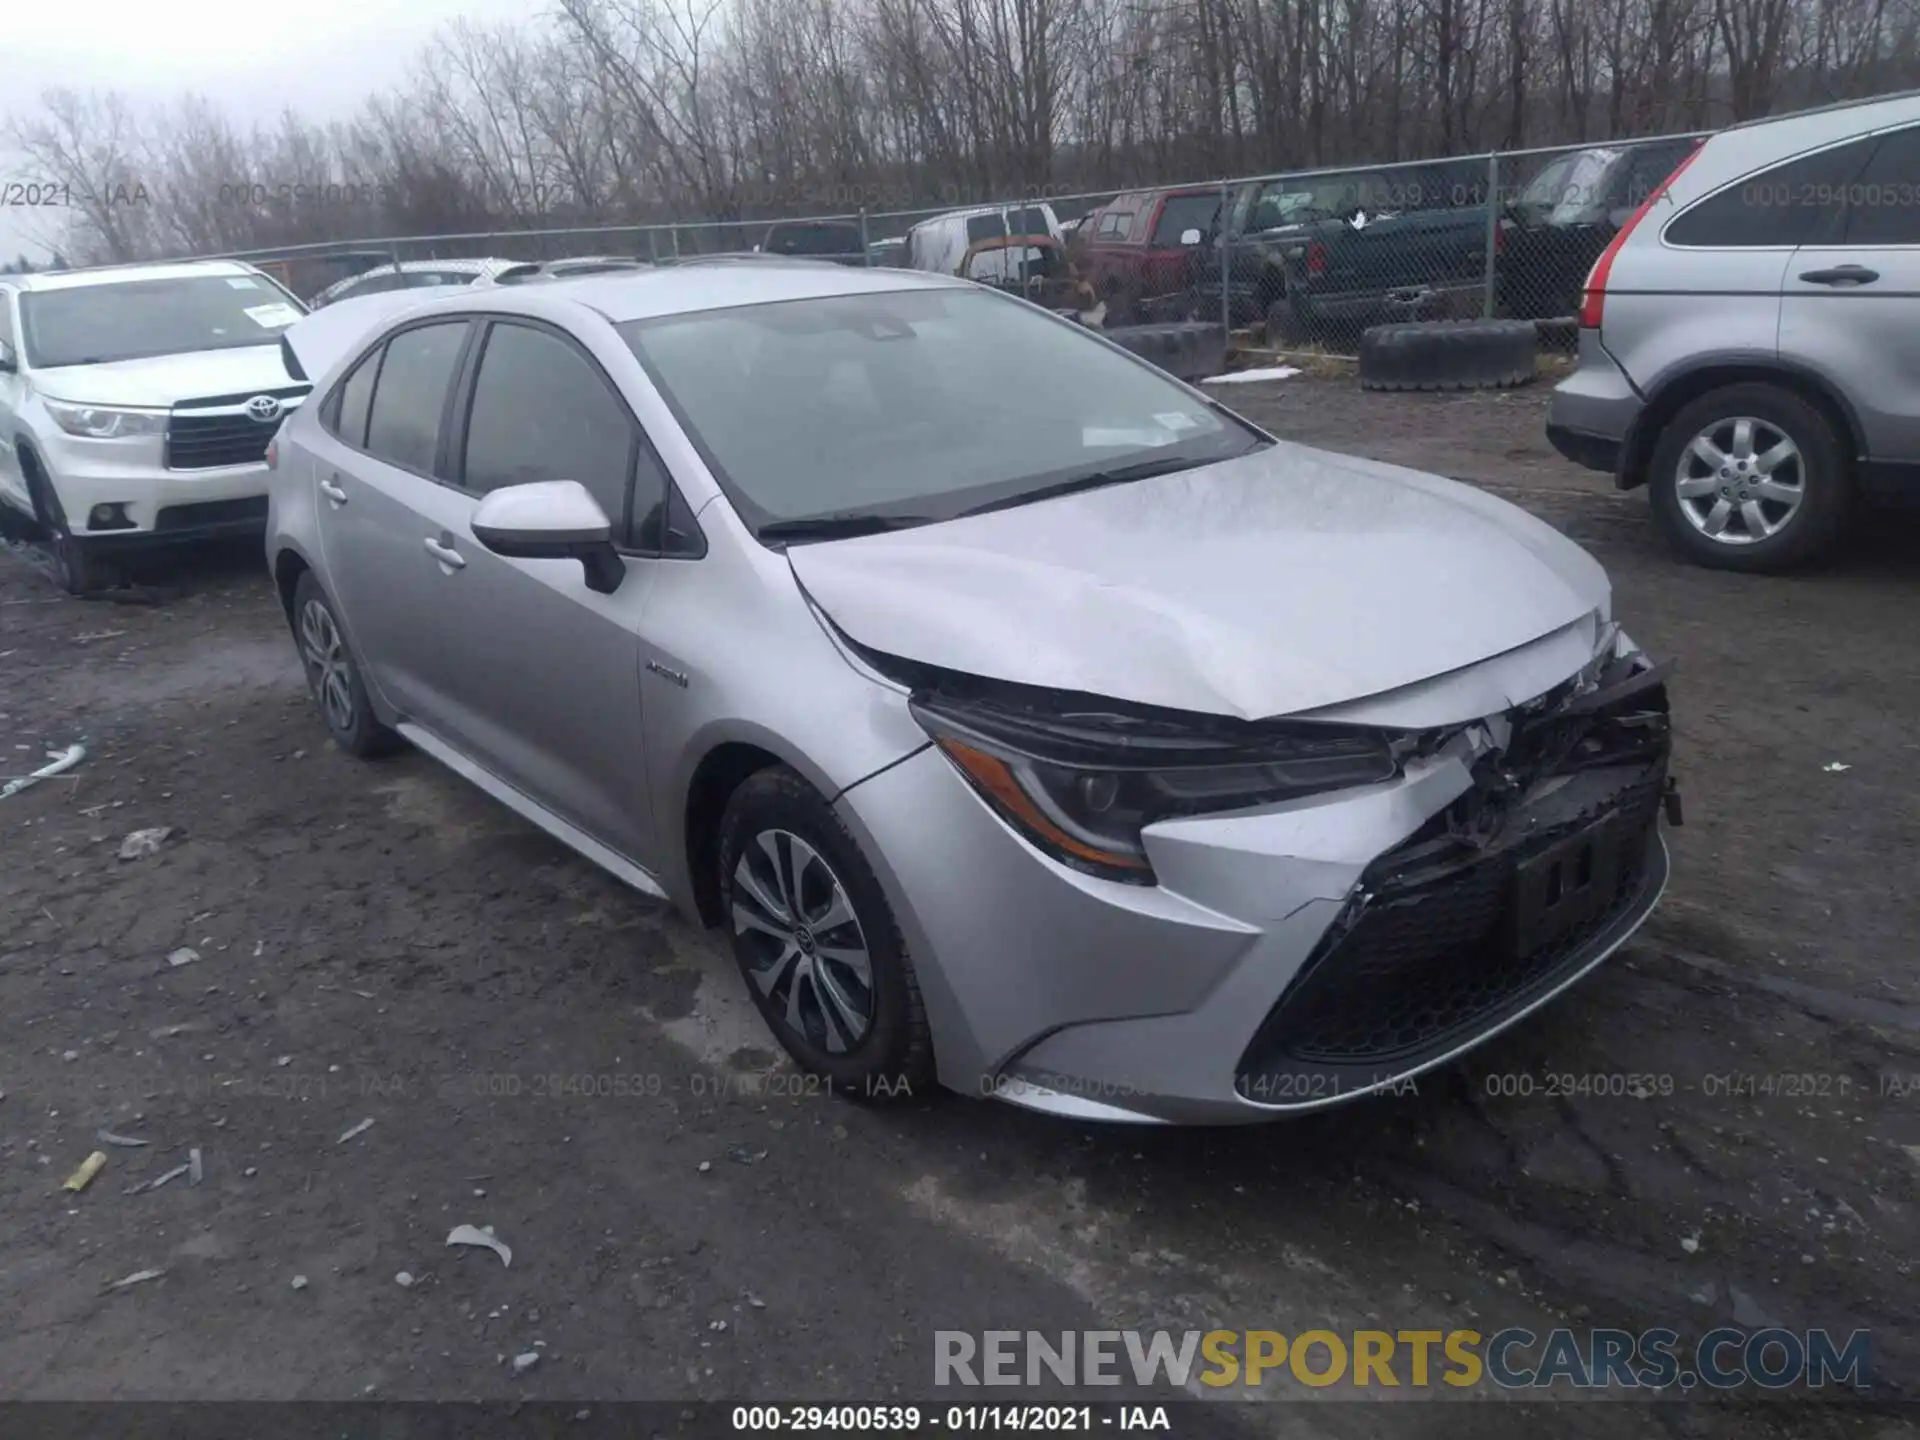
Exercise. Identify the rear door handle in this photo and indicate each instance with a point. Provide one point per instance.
(1841, 275)
(445, 554)
(333, 492)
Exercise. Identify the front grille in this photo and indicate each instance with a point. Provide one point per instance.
(1424, 957)
(207, 434)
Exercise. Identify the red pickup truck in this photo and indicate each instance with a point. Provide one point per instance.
(1134, 255)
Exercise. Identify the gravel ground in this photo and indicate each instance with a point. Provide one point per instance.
(540, 1050)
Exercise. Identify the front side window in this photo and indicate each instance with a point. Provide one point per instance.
(6, 317)
(137, 319)
(541, 411)
(411, 394)
(902, 405)
(1798, 203)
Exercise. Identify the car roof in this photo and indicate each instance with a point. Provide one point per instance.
(127, 274)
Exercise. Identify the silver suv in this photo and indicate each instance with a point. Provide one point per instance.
(1750, 341)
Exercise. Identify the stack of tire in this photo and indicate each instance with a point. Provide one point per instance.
(1448, 355)
(1187, 349)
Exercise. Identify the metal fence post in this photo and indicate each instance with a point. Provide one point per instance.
(866, 246)
(653, 246)
(673, 234)
(1494, 207)
(1226, 263)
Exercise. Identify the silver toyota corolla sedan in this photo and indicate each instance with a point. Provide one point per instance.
(1027, 720)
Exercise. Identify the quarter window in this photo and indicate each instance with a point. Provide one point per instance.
(411, 394)
(1798, 203)
(541, 411)
(355, 400)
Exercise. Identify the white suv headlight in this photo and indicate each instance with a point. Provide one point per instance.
(102, 422)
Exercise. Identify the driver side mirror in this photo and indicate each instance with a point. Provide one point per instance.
(1191, 237)
(8, 362)
(551, 520)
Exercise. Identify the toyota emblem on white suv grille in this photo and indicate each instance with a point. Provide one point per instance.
(263, 408)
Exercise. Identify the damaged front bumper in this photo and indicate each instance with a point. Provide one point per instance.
(1300, 955)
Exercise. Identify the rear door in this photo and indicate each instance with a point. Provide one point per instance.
(377, 464)
(1852, 305)
(1710, 283)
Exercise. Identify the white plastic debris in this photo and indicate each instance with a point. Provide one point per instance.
(474, 1235)
(1248, 377)
(144, 842)
(107, 1137)
(1836, 767)
(185, 955)
(1690, 1243)
(299, 1282)
(353, 1130)
(525, 1361)
(195, 1171)
(59, 762)
(404, 1280)
(138, 1277)
(159, 1180)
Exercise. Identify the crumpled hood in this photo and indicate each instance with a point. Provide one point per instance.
(162, 380)
(1283, 581)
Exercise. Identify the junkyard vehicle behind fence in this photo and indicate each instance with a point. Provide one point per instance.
(1311, 258)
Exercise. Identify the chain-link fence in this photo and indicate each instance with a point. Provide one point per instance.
(1309, 258)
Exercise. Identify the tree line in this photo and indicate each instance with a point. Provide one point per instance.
(647, 111)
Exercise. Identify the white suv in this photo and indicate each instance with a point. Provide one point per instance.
(136, 404)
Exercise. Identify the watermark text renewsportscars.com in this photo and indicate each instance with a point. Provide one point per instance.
(1515, 1358)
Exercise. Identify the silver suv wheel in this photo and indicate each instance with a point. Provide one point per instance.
(1740, 480)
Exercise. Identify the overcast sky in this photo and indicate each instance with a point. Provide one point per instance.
(251, 60)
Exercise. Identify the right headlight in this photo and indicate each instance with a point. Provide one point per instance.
(1083, 793)
(105, 422)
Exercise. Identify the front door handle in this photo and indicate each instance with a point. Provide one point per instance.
(1841, 275)
(445, 554)
(333, 492)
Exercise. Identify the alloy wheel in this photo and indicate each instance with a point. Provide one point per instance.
(326, 658)
(1741, 480)
(807, 952)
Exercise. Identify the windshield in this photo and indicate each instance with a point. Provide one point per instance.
(813, 240)
(914, 403)
(134, 319)
(1298, 202)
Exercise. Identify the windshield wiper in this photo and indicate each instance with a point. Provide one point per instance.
(1117, 475)
(838, 526)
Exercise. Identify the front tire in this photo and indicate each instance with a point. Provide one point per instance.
(817, 942)
(79, 567)
(1751, 477)
(333, 678)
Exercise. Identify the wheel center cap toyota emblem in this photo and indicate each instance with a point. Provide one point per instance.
(803, 937)
(263, 408)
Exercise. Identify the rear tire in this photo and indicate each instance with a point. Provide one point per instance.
(817, 943)
(1284, 326)
(333, 676)
(1765, 516)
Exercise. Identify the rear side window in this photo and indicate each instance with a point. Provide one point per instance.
(356, 399)
(541, 411)
(1798, 203)
(411, 394)
(1883, 205)
(985, 227)
(1113, 226)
